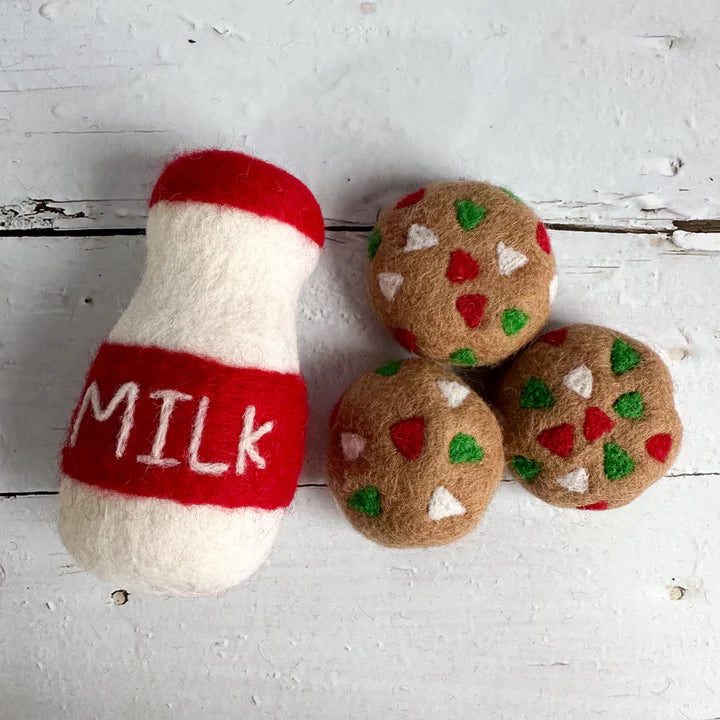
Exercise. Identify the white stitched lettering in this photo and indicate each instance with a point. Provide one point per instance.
(169, 398)
(197, 431)
(127, 392)
(248, 438)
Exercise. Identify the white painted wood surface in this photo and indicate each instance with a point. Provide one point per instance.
(604, 115)
(606, 110)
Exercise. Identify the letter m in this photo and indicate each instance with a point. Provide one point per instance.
(127, 392)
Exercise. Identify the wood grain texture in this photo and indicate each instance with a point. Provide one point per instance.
(540, 613)
(606, 111)
(602, 115)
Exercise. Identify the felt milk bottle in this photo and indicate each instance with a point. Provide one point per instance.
(186, 443)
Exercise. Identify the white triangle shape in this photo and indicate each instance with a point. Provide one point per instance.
(454, 392)
(444, 504)
(352, 445)
(575, 481)
(389, 284)
(420, 237)
(580, 380)
(509, 260)
(553, 288)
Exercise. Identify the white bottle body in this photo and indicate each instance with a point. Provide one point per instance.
(221, 283)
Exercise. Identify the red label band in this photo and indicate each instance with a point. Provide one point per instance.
(157, 423)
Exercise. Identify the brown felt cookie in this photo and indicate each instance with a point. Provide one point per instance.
(461, 272)
(589, 418)
(414, 455)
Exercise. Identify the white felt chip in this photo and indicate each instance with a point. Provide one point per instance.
(389, 284)
(509, 260)
(553, 288)
(580, 380)
(420, 237)
(352, 445)
(444, 504)
(454, 392)
(575, 481)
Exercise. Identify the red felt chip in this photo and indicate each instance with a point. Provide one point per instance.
(596, 424)
(462, 267)
(558, 440)
(335, 411)
(411, 199)
(471, 307)
(658, 446)
(407, 436)
(602, 505)
(543, 239)
(406, 339)
(554, 337)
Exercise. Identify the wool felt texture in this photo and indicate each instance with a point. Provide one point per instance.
(233, 179)
(161, 545)
(194, 409)
(238, 462)
(431, 460)
(444, 504)
(215, 280)
(473, 272)
(594, 444)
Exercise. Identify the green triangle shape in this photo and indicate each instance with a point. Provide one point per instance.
(617, 462)
(536, 394)
(469, 214)
(464, 449)
(526, 468)
(366, 500)
(374, 243)
(464, 356)
(390, 369)
(513, 321)
(511, 194)
(630, 405)
(623, 357)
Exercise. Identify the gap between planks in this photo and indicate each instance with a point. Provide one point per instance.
(45, 217)
(690, 226)
(44, 493)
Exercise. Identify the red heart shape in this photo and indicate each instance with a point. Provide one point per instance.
(407, 436)
(558, 439)
(596, 424)
(554, 337)
(471, 307)
(543, 239)
(462, 267)
(602, 505)
(406, 339)
(658, 446)
(411, 199)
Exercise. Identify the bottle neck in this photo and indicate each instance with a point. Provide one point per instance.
(221, 283)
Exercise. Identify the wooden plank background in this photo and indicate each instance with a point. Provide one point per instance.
(602, 115)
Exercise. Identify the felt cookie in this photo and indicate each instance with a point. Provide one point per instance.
(589, 418)
(414, 455)
(461, 272)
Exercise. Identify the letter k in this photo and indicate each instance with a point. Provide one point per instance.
(248, 439)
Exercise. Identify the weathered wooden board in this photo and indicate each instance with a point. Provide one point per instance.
(604, 112)
(71, 291)
(540, 613)
(603, 115)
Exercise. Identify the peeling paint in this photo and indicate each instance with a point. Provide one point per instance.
(687, 241)
(34, 213)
